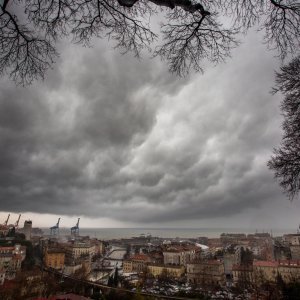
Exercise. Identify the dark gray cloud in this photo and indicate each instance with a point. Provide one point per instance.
(107, 135)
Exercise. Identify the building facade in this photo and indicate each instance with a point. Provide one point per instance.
(11, 259)
(179, 255)
(79, 250)
(27, 229)
(54, 258)
(136, 264)
(169, 271)
(206, 272)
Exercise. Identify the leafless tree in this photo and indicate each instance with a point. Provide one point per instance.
(191, 30)
(286, 159)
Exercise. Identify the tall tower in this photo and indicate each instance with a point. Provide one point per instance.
(27, 229)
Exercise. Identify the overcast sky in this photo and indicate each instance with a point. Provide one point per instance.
(121, 142)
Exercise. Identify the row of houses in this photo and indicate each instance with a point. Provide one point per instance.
(267, 271)
(71, 256)
(177, 261)
(171, 255)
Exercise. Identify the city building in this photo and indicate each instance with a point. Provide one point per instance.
(136, 263)
(242, 274)
(27, 229)
(229, 261)
(3, 230)
(11, 259)
(169, 271)
(289, 270)
(295, 252)
(179, 254)
(206, 272)
(54, 258)
(99, 246)
(77, 250)
(292, 239)
(265, 271)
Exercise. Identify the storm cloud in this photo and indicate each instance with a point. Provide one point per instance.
(107, 135)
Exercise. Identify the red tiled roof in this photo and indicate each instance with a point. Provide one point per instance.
(142, 257)
(291, 263)
(248, 268)
(7, 248)
(265, 263)
(68, 297)
(214, 262)
(208, 262)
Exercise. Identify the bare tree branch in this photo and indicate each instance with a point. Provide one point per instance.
(197, 38)
(191, 29)
(286, 159)
(26, 56)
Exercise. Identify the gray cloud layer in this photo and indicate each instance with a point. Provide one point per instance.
(109, 136)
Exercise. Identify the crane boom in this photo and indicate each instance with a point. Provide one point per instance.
(75, 229)
(17, 223)
(54, 230)
(5, 223)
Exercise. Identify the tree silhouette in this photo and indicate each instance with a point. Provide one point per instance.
(116, 277)
(286, 159)
(190, 30)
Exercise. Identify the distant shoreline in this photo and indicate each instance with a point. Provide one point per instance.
(119, 233)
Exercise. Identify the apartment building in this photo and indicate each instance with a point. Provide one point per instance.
(179, 255)
(11, 259)
(170, 271)
(54, 258)
(292, 239)
(136, 264)
(206, 272)
(269, 270)
(242, 274)
(78, 250)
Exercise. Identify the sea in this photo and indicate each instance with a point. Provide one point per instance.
(184, 233)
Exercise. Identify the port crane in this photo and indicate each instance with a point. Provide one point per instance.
(17, 223)
(6, 222)
(54, 230)
(75, 229)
